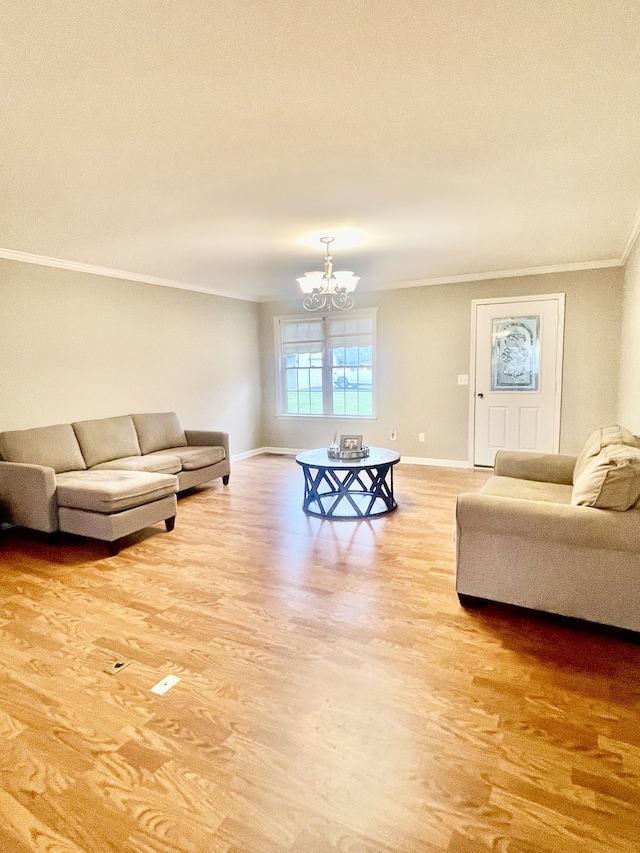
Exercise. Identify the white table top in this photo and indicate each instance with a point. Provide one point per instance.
(320, 458)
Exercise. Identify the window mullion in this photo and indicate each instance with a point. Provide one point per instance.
(327, 395)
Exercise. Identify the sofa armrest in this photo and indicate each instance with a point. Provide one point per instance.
(28, 496)
(582, 526)
(207, 438)
(544, 467)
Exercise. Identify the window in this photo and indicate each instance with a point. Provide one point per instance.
(326, 365)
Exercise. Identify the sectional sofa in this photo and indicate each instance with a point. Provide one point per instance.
(105, 478)
(557, 533)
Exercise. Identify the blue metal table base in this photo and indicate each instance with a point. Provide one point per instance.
(343, 495)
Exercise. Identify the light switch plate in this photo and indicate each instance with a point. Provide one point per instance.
(463, 379)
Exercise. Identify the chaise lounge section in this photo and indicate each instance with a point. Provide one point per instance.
(105, 478)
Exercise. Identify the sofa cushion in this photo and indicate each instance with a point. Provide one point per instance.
(193, 458)
(528, 465)
(106, 438)
(158, 431)
(611, 480)
(158, 463)
(598, 440)
(527, 490)
(52, 446)
(112, 491)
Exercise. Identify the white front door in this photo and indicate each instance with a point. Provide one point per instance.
(517, 380)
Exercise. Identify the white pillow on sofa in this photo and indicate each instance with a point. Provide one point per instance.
(610, 480)
(598, 440)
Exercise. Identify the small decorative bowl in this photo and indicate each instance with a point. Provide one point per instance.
(334, 452)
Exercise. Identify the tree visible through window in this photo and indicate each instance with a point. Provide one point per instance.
(326, 365)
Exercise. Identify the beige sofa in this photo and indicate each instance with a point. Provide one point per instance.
(105, 478)
(557, 533)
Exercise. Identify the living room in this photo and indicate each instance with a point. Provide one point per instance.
(333, 694)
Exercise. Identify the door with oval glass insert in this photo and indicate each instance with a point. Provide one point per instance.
(518, 375)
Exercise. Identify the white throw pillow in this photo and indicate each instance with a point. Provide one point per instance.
(598, 440)
(610, 480)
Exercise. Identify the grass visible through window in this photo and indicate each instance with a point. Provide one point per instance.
(304, 402)
(353, 403)
(350, 403)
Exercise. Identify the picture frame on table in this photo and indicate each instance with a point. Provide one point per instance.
(350, 442)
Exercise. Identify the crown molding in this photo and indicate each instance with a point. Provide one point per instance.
(633, 236)
(75, 266)
(486, 276)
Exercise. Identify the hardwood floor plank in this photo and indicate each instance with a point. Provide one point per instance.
(21, 825)
(333, 694)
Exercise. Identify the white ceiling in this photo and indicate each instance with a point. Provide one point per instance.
(200, 141)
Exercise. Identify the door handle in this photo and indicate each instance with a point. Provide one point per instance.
(481, 395)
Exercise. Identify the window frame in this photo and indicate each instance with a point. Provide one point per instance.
(327, 367)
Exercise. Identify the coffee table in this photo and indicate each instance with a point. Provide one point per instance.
(348, 489)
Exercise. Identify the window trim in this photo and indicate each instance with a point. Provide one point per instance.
(326, 367)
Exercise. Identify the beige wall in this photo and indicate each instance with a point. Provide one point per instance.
(76, 346)
(423, 344)
(629, 382)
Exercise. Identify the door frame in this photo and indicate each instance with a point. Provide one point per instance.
(494, 300)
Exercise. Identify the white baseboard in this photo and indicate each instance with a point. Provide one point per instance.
(278, 451)
(408, 460)
(438, 463)
(236, 456)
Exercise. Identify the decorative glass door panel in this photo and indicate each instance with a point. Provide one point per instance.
(515, 355)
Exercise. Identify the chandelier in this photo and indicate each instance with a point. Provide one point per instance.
(328, 288)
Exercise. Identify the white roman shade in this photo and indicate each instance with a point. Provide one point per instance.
(302, 337)
(349, 331)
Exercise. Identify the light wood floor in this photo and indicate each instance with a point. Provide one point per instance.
(333, 696)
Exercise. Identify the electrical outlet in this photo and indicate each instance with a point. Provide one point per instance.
(392, 435)
(420, 436)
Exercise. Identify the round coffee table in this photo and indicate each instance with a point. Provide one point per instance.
(348, 489)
